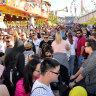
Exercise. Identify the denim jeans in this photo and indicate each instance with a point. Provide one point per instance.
(71, 62)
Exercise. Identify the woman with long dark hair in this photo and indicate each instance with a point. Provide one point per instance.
(31, 71)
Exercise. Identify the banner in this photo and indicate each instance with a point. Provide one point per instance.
(26, 5)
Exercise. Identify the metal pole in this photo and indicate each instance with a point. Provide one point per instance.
(75, 11)
(41, 4)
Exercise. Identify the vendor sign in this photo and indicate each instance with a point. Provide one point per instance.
(26, 5)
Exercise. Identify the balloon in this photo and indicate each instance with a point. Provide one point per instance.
(78, 91)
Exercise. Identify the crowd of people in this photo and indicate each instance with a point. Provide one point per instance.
(33, 60)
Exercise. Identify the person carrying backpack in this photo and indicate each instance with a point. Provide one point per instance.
(14, 64)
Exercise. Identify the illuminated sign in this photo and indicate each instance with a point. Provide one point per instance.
(26, 6)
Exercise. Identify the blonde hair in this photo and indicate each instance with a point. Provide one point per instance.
(15, 33)
(58, 37)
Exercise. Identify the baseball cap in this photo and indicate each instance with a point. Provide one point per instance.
(28, 45)
(50, 38)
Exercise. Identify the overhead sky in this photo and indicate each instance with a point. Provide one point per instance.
(60, 4)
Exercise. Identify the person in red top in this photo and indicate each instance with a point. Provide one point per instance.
(80, 44)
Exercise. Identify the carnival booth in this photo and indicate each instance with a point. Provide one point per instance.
(21, 11)
(52, 18)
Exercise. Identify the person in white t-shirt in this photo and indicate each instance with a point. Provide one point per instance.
(2, 44)
(49, 73)
(36, 42)
(72, 44)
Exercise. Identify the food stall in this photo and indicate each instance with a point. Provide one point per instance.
(21, 10)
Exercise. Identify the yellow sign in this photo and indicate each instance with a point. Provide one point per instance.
(12, 23)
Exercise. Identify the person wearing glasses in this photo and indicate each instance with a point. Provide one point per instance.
(31, 72)
(43, 44)
(88, 69)
(10, 41)
(25, 40)
(9, 44)
(11, 59)
(49, 73)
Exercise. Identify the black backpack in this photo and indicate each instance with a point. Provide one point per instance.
(11, 74)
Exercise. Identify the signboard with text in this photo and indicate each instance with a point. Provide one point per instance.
(26, 5)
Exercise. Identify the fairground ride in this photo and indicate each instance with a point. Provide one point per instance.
(81, 7)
